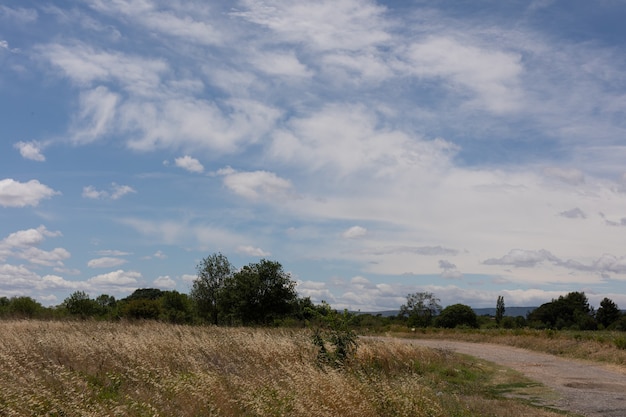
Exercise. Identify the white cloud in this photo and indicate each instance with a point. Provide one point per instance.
(190, 164)
(19, 15)
(159, 255)
(257, 184)
(115, 193)
(194, 124)
(354, 232)
(188, 278)
(165, 19)
(86, 65)
(118, 281)
(29, 237)
(323, 25)
(98, 108)
(30, 150)
(252, 251)
(346, 139)
(106, 262)
(21, 194)
(112, 252)
(164, 282)
(492, 75)
(281, 64)
(54, 257)
(568, 175)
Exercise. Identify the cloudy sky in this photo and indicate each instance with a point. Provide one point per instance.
(471, 149)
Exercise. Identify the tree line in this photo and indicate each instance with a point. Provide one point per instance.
(262, 293)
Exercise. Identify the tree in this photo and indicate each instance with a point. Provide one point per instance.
(176, 307)
(569, 311)
(258, 294)
(213, 271)
(79, 304)
(420, 308)
(457, 315)
(24, 307)
(499, 309)
(608, 313)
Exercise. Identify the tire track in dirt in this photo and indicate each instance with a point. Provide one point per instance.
(585, 388)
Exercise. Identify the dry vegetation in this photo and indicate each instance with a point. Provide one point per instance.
(600, 346)
(155, 369)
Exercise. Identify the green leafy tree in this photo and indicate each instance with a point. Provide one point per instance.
(420, 308)
(571, 311)
(608, 313)
(176, 307)
(79, 304)
(141, 309)
(259, 293)
(213, 271)
(500, 309)
(457, 315)
(145, 294)
(25, 307)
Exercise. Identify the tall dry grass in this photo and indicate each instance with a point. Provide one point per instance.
(156, 369)
(599, 346)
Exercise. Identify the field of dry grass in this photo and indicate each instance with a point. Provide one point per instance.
(600, 346)
(154, 369)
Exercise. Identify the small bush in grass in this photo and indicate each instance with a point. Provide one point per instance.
(620, 342)
(335, 339)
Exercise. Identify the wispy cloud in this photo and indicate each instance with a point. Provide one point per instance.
(115, 192)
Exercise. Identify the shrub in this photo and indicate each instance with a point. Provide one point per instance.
(457, 315)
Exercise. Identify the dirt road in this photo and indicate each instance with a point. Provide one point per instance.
(585, 388)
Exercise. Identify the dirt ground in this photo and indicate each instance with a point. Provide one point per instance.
(585, 388)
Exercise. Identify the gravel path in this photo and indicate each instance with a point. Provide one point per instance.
(585, 388)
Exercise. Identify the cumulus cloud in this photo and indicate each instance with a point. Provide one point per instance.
(30, 150)
(190, 164)
(115, 192)
(252, 251)
(106, 262)
(164, 281)
(24, 244)
(116, 281)
(21, 194)
(354, 232)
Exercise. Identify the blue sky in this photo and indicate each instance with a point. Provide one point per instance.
(470, 149)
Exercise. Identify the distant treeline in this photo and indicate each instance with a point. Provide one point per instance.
(263, 294)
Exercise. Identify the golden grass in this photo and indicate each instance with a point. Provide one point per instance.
(155, 369)
(599, 346)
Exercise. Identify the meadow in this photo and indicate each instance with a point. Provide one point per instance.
(95, 368)
(602, 346)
